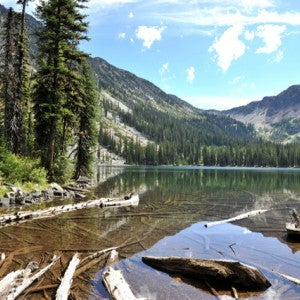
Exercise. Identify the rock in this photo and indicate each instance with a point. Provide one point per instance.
(5, 202)
(57, 189)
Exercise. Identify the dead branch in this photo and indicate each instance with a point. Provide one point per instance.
(116, 285)
(21, 216)
(237, 218)
(27, 280)
(65, 285)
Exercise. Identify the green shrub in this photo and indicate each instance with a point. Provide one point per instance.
(14, 168)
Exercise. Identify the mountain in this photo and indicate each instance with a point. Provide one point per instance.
(140, 123)
(135, 109)
(276, 118)
(32, 26)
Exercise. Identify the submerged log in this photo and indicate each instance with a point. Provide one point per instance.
(38, 214)
(62, 292)
(117, 286)
(237, 218)
(223, 273)
(22, 283)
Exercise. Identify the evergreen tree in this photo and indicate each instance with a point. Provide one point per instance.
(13, 112)
(23, 87)
(58, 96)
(87, 126)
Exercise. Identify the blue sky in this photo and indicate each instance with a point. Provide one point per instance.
(215, 54)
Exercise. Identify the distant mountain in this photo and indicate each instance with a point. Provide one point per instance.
(32, 26)
(276, 118)
(134, 108)
(140, 123)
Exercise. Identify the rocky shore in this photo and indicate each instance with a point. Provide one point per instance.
(16, 196)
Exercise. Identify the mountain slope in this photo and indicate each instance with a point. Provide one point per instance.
(276, 118)
(137, 110)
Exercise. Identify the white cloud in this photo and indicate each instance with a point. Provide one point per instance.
(249, 35)
(190, 74)
(149, 34)
(122, 35)
(164, 68)
(228, 47)
(131, 15)
(271, 35)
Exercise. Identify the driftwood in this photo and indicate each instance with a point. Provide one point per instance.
(117, 286)
(290, 278)
(22, 279)
(239, 217)
(2, 258)
(65, 285)
(112, 258)
(11, 279)
(38, 214)
(223, 273)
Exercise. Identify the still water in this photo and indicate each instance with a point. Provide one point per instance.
(175, 203)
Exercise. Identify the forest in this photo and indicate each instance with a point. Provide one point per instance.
(49, 104)
(177, 141)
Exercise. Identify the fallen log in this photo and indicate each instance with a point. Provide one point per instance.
(117, 286)
(20, 216)
(27, 280)
(11, 279)
(223, 273)
(62, 292)
(237, 218)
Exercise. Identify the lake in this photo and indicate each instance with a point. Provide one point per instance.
(175, 203)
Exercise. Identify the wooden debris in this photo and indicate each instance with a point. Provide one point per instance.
(237, 218)
(235, 293)
(223, 273)
(290, 278)
(38, 214)
(96, 254)
(117, 286)
(112, 258)
(24, 281)
(2, 258)
(65, 285)
(11, 279)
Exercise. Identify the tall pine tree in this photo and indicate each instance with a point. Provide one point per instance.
(87, 133)
(13, 110)
(58, 96)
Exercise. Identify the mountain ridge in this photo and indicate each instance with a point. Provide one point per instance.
(275, 117)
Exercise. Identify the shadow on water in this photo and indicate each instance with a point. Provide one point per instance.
(174, 203)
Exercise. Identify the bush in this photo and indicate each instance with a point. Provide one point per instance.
(14, 168)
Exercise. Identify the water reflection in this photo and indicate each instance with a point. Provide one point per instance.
(171, 200)
(175, 198)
